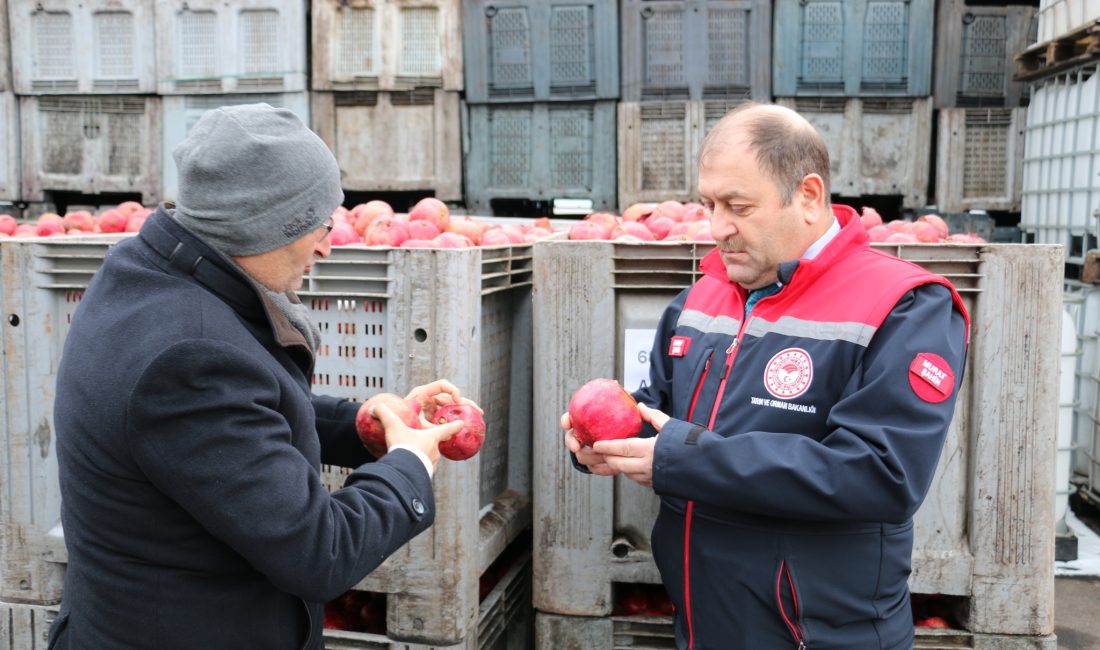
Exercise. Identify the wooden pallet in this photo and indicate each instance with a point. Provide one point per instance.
(1082, 45)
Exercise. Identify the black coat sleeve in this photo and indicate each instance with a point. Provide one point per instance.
(340, 444)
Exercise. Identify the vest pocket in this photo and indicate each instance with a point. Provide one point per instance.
(790, 607)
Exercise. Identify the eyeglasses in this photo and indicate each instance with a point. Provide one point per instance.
(328, 226)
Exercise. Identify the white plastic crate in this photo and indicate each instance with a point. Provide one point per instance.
(1060, 194)
(398, 141)
(25, 627)
(983, 530)
(9, 147)
(90, 144)
(1059, 17)
(212, 46)
(1083, 305)
(979, 159)
(876, 145)
(181, 112)
(386, 44)
(505, 620)
(88, 46)
(390, 319)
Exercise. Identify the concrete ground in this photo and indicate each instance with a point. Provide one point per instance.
(1077, 600)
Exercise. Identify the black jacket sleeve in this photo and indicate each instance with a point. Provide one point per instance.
(340, 444)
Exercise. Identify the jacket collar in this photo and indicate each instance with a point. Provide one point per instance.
(186, 253)
(852, 236)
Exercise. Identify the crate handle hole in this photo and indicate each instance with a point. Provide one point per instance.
(420, 335)
(14, 320)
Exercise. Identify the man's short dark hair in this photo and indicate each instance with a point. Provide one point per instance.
(787, 150)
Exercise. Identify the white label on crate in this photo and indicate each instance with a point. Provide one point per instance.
(637, 345)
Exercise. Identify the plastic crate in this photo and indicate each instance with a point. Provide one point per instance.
(386, 44)
(877, 146)
(656, 633)
(534, 50)
(979, 159)
(540, 151)
(1059, 17)
(1060, 189)
(983, 531)
(975, 50)
(390, 319)
(1082, 303)
(696, 49)
(181, 112)
(400, 141)
(505, 620)
(25, 627)
(91, 144)
(854, 48)
(212, 46)
(5, 49)
(9, 147)
(88, 46)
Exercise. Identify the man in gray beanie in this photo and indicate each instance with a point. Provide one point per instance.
(189, 442)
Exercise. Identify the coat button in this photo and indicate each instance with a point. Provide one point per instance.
(418, 506)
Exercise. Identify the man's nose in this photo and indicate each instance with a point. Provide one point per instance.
(323, 248)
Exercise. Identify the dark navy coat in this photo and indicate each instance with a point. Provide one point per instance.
(189, 446)
(804, 438)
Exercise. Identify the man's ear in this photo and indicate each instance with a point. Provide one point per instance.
(811, 195)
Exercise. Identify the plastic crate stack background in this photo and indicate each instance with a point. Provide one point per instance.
(685, 63)
(861, 73)
(980, 107)
(9, 119)
(542, 79)
(85, 75)
(983, 532)
(212, 53)
(386, 81)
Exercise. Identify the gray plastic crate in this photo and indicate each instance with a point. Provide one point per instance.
(975, 50)
(853, 48)
(659, 147)
(534, 50)
(9, 147)
(393, 141)
(90, 144)
(979, 158)
(876, 145)
(656, 633)
(386, 44)
(696, 49)
(82, 46)
(505, 620)
(983, 532)
(213, 46)
(5, 49)
(540, 151)
(181, 112)
(25, 627)
(390, 319)
(1060, 189)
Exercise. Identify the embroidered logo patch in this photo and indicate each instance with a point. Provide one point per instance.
(931, 377)
(678, 346)
(789, 373)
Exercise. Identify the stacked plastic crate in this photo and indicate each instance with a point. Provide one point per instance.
(84, 75)
(212, 53)
(386, 81)
(542, 78)
(686, 63)
(860, 72)
(9, 121)
(980, 108)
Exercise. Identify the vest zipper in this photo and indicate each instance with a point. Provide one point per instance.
(794, 622)
(687, 519)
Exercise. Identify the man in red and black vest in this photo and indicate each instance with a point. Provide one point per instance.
(799, 397)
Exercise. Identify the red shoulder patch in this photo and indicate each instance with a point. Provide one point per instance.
(678, 346)
(931, 377)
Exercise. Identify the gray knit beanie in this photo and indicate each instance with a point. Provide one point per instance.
(253, 178)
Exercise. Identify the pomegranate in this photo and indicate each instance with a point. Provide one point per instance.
(469, 438)
(370, 428)
(603, 410)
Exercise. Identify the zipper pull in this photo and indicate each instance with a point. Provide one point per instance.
(733, 345)
(801, 645)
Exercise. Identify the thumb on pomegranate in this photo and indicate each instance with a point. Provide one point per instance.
(445, 431)
(651, 415)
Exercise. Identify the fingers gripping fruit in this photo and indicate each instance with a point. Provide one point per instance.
(469, 439)
(603, 410)
(370, 429)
